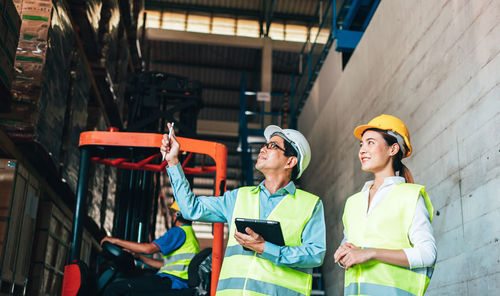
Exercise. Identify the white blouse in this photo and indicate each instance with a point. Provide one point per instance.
(424, 251)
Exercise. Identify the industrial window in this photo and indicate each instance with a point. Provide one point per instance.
(180, 21)
(277, 31)
(248, 28)
(153, 19)
(321, 37)
(198, 23)
(296, 33)
(223, 26)
(173, 21)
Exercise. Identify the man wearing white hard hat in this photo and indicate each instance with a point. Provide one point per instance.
(253, 266)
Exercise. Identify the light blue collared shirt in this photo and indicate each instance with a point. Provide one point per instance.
(220, 209)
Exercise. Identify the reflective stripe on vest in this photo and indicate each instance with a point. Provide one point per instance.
(246, 272)
(386, 227)
(177, 262)
(373, 289)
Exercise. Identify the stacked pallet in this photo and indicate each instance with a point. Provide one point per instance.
(66, 60)
(19, 196)
(59, 89)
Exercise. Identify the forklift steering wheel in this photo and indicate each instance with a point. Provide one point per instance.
(113, 249)
(123, 259)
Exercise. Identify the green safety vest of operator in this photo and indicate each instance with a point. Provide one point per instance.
(386, 227)
(177, 262)
(246, 272)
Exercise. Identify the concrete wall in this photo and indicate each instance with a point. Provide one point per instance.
(436, 65)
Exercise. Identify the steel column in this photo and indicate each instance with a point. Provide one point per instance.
(80, 210)
(246, 157)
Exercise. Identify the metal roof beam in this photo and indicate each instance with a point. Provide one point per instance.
(202, 64)
(270, 16)
(237, 88)
(255, 14)
(232, 108)
(221, 127)
(216, 67)
(215, 39)
(221, 107)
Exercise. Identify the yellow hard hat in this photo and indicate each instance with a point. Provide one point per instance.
(387, 123)
(175, 207)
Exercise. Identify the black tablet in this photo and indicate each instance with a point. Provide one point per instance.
(269, 230)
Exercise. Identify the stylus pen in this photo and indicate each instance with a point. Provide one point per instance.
(169, 138)
(170, 130)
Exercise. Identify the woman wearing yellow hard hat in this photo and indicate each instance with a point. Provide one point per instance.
(388, 247)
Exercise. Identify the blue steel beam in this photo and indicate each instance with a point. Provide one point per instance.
(348, 40)
(349, 18)
(370, 14)
(333, 3)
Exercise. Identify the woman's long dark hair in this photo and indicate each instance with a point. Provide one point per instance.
(397, 164)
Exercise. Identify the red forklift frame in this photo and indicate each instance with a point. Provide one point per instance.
(102, 140)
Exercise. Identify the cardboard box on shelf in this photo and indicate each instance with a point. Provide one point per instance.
(37, 7)
(32, 51)
(28, 81)
(34, 30)
(41, 87)
(30, 55)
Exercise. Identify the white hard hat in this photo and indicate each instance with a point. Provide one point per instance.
(298, 142)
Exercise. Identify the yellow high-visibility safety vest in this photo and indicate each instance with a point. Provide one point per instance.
(386, 227)
(177, 262)
(246, 272)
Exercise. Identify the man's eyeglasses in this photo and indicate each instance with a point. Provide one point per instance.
(272, 145)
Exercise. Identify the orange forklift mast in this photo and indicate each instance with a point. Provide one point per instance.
(111, 148)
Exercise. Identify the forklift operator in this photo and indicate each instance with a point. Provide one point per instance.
(267, 269)
(178, 246)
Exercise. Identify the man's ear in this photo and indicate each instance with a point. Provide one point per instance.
(291, 162)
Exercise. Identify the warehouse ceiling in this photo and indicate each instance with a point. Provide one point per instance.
(214, 41)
